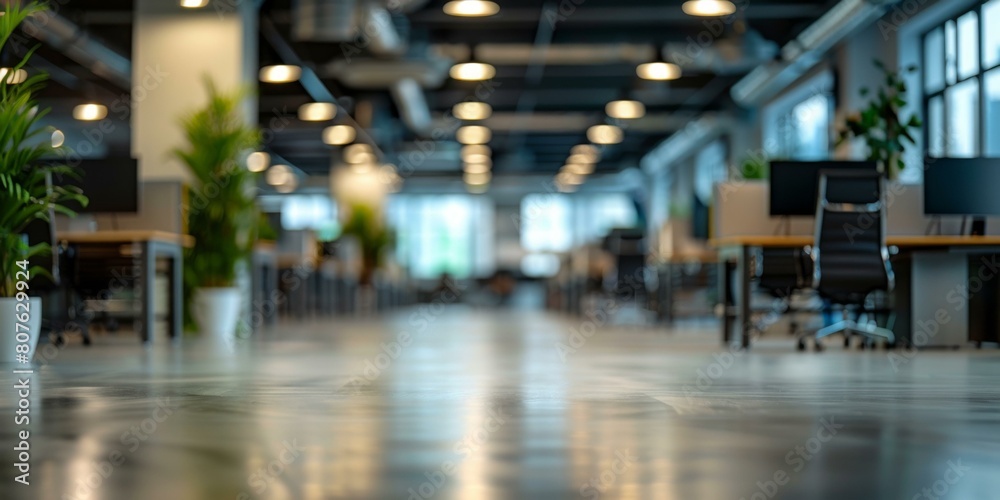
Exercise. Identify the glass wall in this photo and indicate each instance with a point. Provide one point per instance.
(450, 234)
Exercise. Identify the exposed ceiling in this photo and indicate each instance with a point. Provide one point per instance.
(557, 64)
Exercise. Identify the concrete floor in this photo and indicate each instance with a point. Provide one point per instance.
(455, 403)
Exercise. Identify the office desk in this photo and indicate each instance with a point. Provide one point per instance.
(667, 277)
(735, 258)
(146, 247)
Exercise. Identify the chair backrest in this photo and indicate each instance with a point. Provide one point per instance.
(850, 256)
(40, 231)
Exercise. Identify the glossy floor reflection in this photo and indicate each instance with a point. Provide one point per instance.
(456, 403)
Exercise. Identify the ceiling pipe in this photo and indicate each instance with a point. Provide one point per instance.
(804, 52)
(79, 46)
(685, 142)
(412, 104)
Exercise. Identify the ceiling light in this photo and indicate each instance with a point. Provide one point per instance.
(258, 161)
(281, 73)
(605, 134)
(58, 138)
(582, 159)
(625, 109)
(193, 4)
(339, 135)
(476, 168)
(13, 76)
(476, 153)
(658, 71)
(589, 151)
(569, 179)
(278, 175)
(472, 111)
(473, 134)
(287, 186)
(708, 8)
(471, 8)
(317, 112)
(579, 168)
(365, 165)
(477, 179)
(359, 153)
(90, 112)
(472, 71)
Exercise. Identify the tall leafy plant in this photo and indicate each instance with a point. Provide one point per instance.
(25, 193)
(881, 124)
(223, 213)
(373, 237)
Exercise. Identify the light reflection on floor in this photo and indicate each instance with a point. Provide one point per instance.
(484, 404)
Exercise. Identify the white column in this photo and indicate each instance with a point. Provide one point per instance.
(174, 48)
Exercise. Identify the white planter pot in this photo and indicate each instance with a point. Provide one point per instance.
(216, 310)
(9, 331)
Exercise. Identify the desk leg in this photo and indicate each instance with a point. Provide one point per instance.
(726, 299)
(176, 293)
(147, 285)
(744, 298)
(668, 293)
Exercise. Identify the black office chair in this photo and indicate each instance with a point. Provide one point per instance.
(782, 273)
(59, 313)
(850, 257)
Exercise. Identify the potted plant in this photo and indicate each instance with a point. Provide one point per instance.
(25, 194)
(885, 131)
(373, 237)
(223, 214)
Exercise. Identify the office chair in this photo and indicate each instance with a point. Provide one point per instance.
(781, 272)
(850, 257)
(57, 298)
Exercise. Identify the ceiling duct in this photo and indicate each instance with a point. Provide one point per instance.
(412, 105)
(367, 25)
(684, 143)
(379, 74)
(801, 54)
(79, 46)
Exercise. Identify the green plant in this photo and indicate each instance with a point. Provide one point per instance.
(372, 235)
(223, 215)
(755, 167)
(25, 194)
(880, 124)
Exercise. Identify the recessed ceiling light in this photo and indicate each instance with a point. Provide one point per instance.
(287, 186)
(569, 179)
(317, 112)
(193, 4)
(90, 112)
(281, 73)
(476, 168)
(625, 109)
(605, 134)
(658, 71)
(339, 135)
(13, 76)
(472, 111)
(58, 138)
(359, 153)
(473, 134)
(472, 71)
(588, 150)
(471, 8)
(258, 161)
(477, 179)
(476, 153)
(579, 168)
(278, 175)
(582, 158)
(708, 8)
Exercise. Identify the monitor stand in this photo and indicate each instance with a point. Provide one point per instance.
(978, 226)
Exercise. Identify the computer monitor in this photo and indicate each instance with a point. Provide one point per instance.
(795, 184)
(961, 186)
(110, 184)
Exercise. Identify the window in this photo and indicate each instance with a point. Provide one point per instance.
(797, 127)
(962, 84)
(443, 234)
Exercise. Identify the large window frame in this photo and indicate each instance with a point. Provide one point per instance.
(947, 147)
